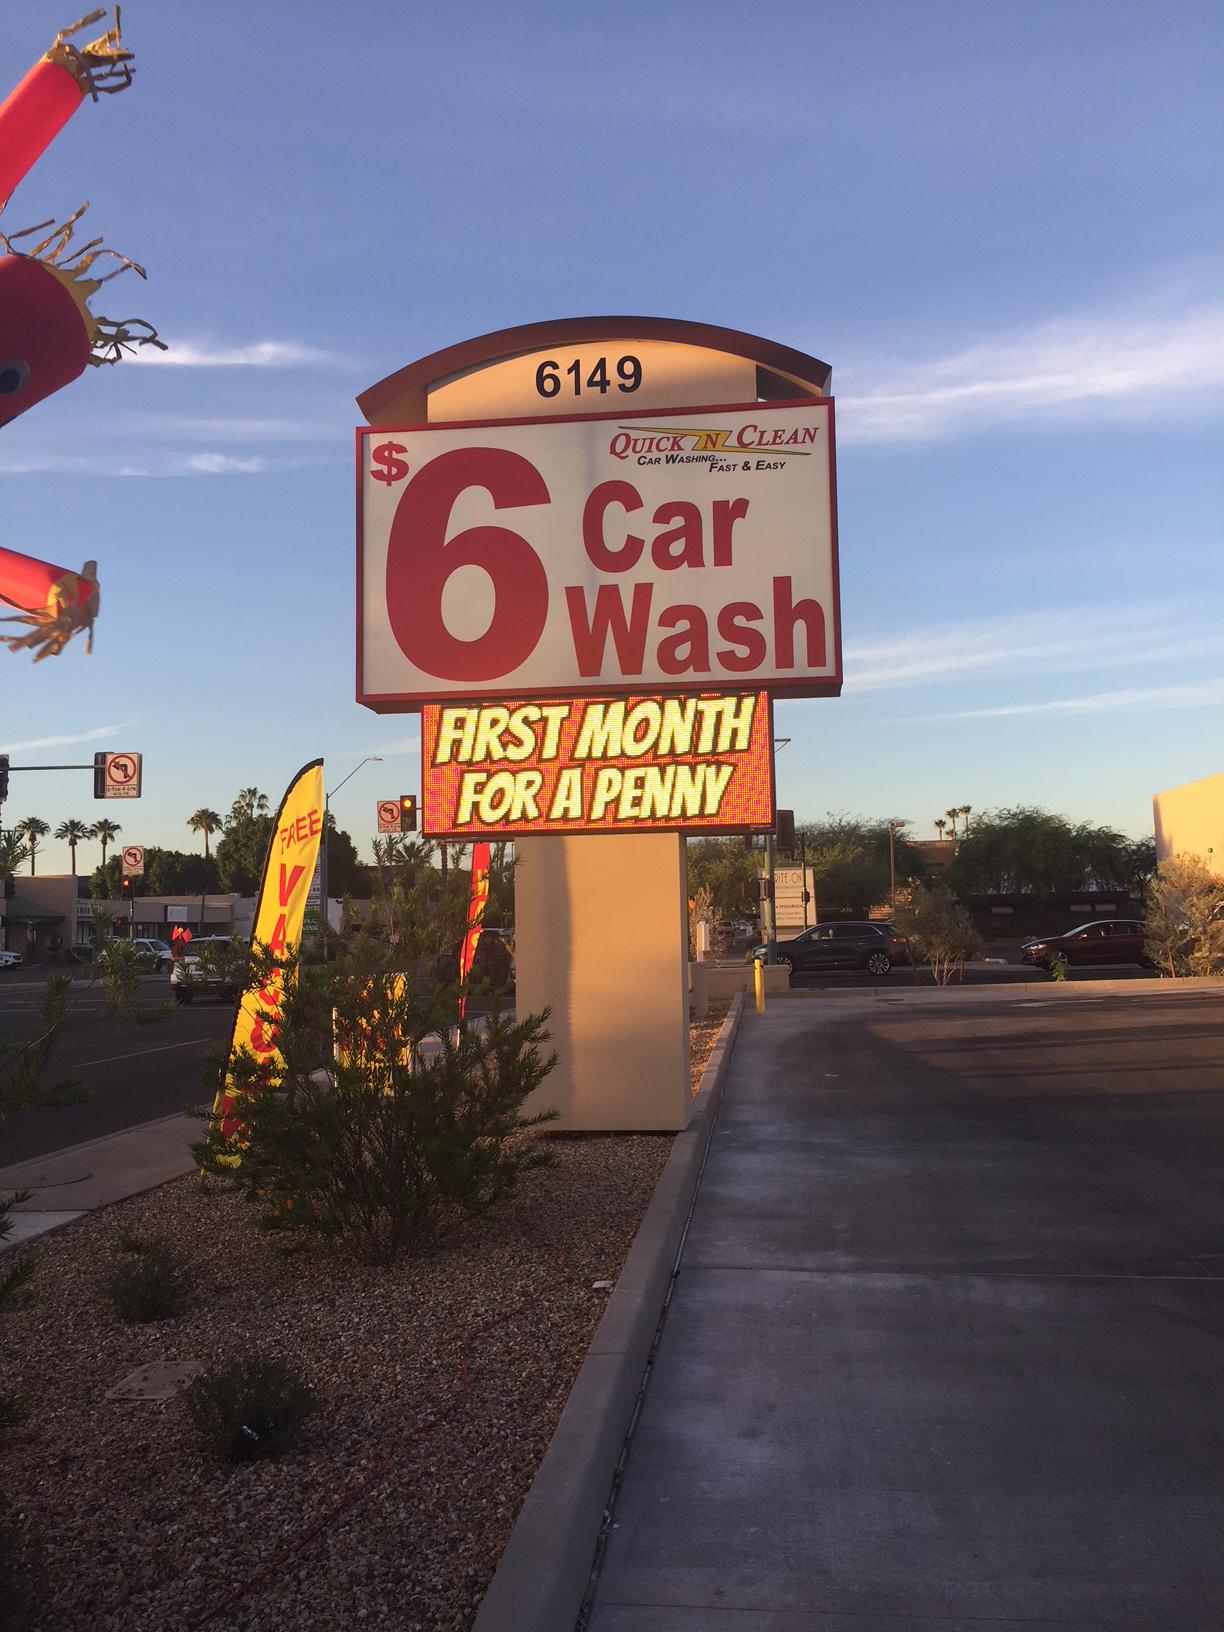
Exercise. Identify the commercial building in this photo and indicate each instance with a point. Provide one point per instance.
(45, 918)
(1189, 820)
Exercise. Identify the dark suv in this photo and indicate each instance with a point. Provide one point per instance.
(1117, 940)
(874, 947)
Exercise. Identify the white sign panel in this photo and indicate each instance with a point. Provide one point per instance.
(133, 861)
(789, 885)
(121, 776)
(177, 915)
(660, 551)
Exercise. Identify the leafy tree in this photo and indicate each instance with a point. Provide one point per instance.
(1026, 851)
(72, 831)
(105, 879)
(1185, 917)
(849, 859)
(728, 873)
(940, 931)
(179, 872)
(32, 829)
(106, 832)
(244, 843)
(205, 821)
(347, 874)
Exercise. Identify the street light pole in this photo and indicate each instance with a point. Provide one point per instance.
(370, 759)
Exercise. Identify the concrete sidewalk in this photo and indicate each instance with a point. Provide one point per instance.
(97, 1173)
(944, 1346)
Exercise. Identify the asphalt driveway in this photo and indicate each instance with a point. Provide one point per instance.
(946, 1343)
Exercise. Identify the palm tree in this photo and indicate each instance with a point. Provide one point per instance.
(250, 802)
(105, 831)
(14, 852)
(952, 815)
(964, 810)
(32, 829)
(207, 822)
(940, 824)
(74, 832)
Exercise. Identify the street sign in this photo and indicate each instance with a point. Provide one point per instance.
(133, 861)
(651, 551)
(789, 885)
(117, 776)
(314, 896)
(388, 816)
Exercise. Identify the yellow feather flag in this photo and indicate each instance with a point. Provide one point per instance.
(280, 912)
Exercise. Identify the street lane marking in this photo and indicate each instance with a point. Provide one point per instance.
(139, 1053)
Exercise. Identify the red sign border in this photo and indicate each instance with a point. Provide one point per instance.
(410, 702)
(694, 830)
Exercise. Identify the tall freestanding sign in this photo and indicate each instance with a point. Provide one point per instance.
(592, 552)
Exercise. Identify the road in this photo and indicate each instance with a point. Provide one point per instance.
(945, 1341)
(134, 1073)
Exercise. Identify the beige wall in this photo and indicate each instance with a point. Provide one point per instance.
(601, 935)
(1190, 821)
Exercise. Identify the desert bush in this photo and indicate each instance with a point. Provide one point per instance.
(940, 931)
(254, 1408)
(1185, 917)
(384, 1116)
(149, 1287)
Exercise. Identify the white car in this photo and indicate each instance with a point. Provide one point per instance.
(188, 978)
(10, 960)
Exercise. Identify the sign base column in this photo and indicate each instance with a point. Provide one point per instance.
(601, 938)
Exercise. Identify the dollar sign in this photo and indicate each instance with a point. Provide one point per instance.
(394, 469)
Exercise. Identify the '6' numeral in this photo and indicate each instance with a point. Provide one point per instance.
(420, 559)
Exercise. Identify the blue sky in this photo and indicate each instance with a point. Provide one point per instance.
(1001, 225)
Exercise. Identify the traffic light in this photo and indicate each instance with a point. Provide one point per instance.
(4, 768)
(100, 775)
(785, 829)
(408, 812)
(125, 889)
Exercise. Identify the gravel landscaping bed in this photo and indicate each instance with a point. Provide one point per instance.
(703, 1035)
(439, 1383)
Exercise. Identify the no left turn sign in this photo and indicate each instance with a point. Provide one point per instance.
(388, 816)
(133, 861)
(117, 776)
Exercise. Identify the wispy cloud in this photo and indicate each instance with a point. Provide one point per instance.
(1134, 362)
(98, 734)
(159, 463)
(404, 745)
(1197, 694)
(1064, 640)
(255, 354)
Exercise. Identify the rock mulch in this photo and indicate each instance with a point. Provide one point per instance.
(439, 1382)
(703, 1035)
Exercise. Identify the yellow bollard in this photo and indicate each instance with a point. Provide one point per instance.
(758, 976)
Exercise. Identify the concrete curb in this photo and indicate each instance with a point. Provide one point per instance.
(1066, 991)
(544, 1572)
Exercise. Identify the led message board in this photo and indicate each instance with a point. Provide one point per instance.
(597, 765)
(641, 552)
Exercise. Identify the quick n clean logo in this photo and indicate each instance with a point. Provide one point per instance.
(665, 444)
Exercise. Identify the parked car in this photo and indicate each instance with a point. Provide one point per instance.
(10, 960)
(874, 947)
(734, 932)
(156, 953)
(190, 978)
(1116, 940)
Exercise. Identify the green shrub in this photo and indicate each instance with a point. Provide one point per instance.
(389, 1119)
(251, 1409)
(148, 1288)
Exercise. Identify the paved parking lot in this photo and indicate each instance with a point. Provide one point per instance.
(134, 1073)
(945, 1345)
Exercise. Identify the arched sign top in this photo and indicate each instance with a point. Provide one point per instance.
(782, 374)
